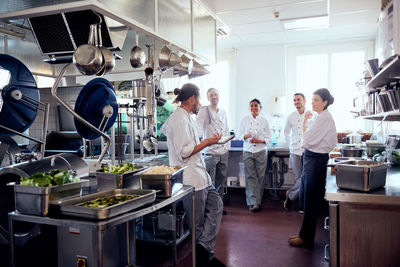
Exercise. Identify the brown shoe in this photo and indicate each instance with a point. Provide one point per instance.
(293, 236)
(297, 242)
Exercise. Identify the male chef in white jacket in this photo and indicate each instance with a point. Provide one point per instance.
(293, 135)
(184, 149)
(212, 119)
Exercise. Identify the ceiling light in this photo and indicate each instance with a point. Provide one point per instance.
(306, 23)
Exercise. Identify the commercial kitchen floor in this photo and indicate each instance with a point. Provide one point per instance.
(249, 239)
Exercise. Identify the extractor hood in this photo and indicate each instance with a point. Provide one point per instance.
(61, 34)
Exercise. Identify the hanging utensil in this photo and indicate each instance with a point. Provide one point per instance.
(167, 59)
(185, 67)
(138, 57)
(109, 60)
(88, 58)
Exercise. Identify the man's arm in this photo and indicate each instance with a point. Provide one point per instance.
(206, 142)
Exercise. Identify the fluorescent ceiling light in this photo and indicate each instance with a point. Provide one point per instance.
(306, 23)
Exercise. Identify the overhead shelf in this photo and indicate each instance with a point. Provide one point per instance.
(388, 73)
(385, 116)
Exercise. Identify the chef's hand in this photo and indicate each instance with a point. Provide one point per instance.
(308, 115)
(256, 140)
(214, 139)
(247, 136)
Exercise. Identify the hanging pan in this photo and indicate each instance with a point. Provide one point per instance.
(168, 59)
(185, 67)
(138, 56)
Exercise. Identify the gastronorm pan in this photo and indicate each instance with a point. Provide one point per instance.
(168, 184)
(361, 175)
(72, 207)
(35, 200)
(109, 181)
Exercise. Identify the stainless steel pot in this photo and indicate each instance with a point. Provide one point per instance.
(109, 60)
(168, 59)
(138, 56)
(353, 152)
(373, 149)
(185, 67)
(352, 139)
(88, 58)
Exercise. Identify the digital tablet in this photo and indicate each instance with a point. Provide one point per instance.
(225, 138)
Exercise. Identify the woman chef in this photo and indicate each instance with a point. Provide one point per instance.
(254, 130)
(184, 149)
(319, 139)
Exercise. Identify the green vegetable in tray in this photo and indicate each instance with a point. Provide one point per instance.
(120, 169)
(103, 202)
(51, 178)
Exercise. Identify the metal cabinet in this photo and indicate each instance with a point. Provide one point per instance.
(363, 234)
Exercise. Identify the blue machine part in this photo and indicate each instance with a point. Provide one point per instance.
(93, 97)
(17, 114)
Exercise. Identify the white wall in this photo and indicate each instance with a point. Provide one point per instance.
(259, 72)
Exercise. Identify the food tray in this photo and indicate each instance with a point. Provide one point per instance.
(70, 207)
(361, 175)
(109, 181)
(168, 184)
(35, 200)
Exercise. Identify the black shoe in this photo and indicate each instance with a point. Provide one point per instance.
(202, 256)
(224, 212)
(254, 208)
(214, 262)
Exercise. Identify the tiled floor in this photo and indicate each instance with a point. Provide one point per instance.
(250, 239)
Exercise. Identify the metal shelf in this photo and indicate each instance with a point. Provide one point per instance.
(147, 235)
(384, 116)
(389, 73)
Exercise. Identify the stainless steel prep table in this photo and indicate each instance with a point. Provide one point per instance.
(280, 150)
(361, 223)
(99, 227)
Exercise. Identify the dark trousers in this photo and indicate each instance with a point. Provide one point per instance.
(312, 192)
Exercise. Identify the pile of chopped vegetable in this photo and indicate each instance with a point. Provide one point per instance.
(120, 169)
(103, 202)
(51, 178)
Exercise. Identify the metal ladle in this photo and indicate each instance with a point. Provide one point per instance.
(138, 57)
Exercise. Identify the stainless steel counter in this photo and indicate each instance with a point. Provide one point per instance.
(282, 147)
(390, 194)
(99, 227)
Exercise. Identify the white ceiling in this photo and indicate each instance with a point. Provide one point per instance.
(252, 22)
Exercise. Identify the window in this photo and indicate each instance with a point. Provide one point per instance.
(336, 67)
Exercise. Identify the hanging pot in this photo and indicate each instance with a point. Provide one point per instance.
(88, 58)
(198, 70)
(185, 67)
(138, 57)
(109, 60)
(168, 59)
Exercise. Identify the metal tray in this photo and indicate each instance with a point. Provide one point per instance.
(70, 207)
(109, 181)
(168, 184)
(361, 175)
(35, 200)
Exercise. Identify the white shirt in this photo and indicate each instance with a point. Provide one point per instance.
(294, 132)
(211, 122)
(259, 128)
(182, 136)
(321, 136)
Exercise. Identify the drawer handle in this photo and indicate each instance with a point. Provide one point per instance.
(326, 223)
(326, 254)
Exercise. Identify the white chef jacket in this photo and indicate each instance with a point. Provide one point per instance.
(294, 132)
(211, 122)
(182, 136)
(321, 136)
(259, 128)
